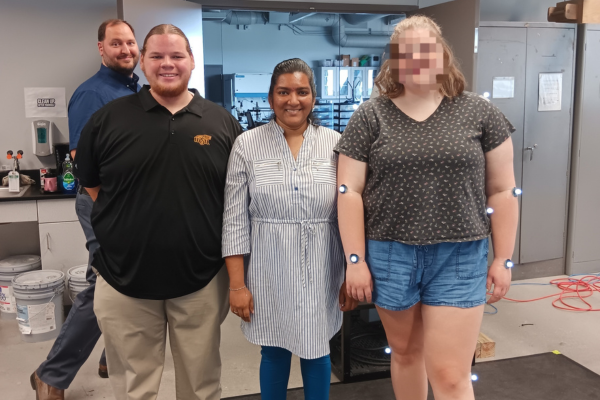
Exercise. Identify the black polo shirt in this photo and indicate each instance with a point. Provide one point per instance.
(158, 215)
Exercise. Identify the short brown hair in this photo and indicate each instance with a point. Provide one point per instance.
(111, 22)
(453, 83)
(164, 29)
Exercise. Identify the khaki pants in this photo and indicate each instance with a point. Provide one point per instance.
(135, 333)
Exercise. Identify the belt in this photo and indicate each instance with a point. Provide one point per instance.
(306, 228)
(81, 190)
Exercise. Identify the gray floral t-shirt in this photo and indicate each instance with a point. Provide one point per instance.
(426, 180)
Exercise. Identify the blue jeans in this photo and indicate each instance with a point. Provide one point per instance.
(443, 274)
(80, 332)
(275, 374)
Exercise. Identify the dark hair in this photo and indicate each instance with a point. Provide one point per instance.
(289, 67)
(166, 29)
(111, 22)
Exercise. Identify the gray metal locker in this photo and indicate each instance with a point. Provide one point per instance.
(523, 66)
(502, 54)
(583, 251)
(545, 174)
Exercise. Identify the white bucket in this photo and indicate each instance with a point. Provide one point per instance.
(77, 280)
(39, 304)
(9, 268)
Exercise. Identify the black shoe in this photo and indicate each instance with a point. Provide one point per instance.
(103, 371)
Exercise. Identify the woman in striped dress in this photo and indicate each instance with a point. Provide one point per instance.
(280, 217)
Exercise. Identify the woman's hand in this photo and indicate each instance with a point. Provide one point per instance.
(359, 284)
(347, 303)
(500, 277)
(241, 303)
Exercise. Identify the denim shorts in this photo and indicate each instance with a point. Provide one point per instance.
(443, 274)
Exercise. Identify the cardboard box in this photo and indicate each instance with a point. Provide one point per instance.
(355, 62)
(575, 11)
(345, 60)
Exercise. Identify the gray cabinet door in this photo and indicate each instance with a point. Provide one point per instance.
(502, 53)
(585, 187)
(545, 175)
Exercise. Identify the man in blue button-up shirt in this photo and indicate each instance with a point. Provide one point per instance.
(79, 334)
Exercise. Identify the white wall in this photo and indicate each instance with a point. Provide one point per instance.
(44, 44)
(187, 16)
(261, 47)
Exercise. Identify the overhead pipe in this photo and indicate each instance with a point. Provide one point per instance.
(338, 31)
(323, 20)
(356, 19)
(295, 17)
(245, 18)
(337, 24)
(342, 39)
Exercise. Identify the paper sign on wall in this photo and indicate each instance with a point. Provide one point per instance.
(503, 87)
(45, 102)
(550, 92)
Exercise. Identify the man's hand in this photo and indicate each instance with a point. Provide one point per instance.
(93, 192)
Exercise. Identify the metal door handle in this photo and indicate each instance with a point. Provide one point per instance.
(47, 241)
(532, 150)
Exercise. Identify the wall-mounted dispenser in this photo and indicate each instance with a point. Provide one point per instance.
(43, 144)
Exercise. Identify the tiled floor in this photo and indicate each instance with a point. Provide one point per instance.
(518, 329)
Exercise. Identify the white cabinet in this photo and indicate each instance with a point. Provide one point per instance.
(350, 83)
(345, 83)
(62, 246)
(327, 78)
(62, 242)
(18, 211)
(56, 211)
(370, 73)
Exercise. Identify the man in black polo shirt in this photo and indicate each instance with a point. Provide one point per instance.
(156, 164)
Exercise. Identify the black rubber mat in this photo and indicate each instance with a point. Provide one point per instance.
(542, 376)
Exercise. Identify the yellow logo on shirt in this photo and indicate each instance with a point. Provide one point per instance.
(202, 140)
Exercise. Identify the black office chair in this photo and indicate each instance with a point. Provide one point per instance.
(251, 123)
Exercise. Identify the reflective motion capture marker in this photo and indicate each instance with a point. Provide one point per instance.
(509, 264)
(388, 350)
(489, 210)
(354, 258)
(517, 192)
(343, 189)
(474, 377)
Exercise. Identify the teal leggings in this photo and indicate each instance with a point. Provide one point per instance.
(275, 374)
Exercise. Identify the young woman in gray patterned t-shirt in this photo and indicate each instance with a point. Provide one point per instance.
(418, 168)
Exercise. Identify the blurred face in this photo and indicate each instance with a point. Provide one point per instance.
(418, 59)
(119, 50)
(167, 64)
(292, 100)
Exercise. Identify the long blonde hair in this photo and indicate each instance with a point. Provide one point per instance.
(452, 83)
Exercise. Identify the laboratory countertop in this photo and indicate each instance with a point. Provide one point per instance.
(34, 192)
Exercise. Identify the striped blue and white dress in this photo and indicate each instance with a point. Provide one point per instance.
(282, 212)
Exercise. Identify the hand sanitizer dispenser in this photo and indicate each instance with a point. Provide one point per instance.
(42, 138)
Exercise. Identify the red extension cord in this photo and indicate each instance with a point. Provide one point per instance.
(571, 289)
